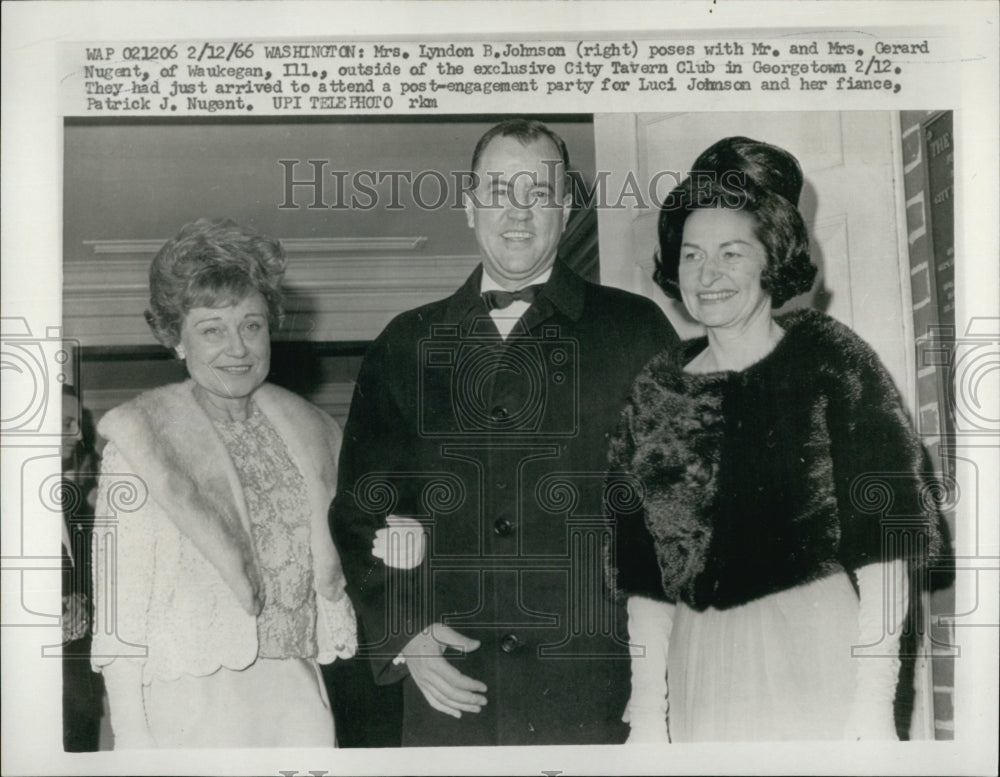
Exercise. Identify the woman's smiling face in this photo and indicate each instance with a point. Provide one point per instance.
(228, 349)
(720, 267)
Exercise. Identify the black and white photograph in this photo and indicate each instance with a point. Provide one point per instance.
(565, 390)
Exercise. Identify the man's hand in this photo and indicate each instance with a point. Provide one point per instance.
(445, 688)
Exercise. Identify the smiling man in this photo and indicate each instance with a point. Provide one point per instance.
(519, 206)
(469, 508)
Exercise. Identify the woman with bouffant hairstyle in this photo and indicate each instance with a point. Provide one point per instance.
(753, 557)
(735, 174)
(224, 573)
(212, 262)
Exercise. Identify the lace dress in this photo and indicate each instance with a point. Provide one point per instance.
(279, 700)
(275, 494)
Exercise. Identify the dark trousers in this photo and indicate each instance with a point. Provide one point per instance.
(82, 692)
(365, 714)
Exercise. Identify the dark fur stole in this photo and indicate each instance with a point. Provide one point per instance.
(726, 487)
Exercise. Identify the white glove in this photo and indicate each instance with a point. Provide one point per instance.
(123, 680)
(402, 544)
(649, 626)
(882, 605)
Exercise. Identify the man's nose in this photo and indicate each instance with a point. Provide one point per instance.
(520, 201)
(519, 209)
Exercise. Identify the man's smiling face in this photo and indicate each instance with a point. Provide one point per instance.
(518, 209)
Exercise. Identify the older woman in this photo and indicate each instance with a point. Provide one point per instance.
(761, 578)
(225, 573)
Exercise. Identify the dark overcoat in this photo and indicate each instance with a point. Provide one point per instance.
(499, 449)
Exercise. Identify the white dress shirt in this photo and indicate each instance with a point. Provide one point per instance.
(506, 318)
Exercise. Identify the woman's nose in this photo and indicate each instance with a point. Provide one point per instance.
(709, 270)
(235, 346)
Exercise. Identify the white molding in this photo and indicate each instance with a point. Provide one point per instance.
(292, 245)
(327, 298)
(96, 279)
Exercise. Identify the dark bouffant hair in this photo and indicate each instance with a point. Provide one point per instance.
(212, 264)
(767, 166)
(761, 180)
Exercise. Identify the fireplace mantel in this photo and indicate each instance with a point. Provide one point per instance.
(337, 290)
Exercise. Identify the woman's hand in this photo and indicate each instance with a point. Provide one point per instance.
(649, 625)
(882, 604)
(446, 689)
(75, 617)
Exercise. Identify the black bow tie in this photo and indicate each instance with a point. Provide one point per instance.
(496, 299)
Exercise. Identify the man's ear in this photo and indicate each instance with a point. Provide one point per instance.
(567, 207)
(470, 215)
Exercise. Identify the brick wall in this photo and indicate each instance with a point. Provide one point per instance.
(928, 164)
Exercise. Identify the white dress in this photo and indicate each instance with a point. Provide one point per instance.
(279, 699)
(776, 668)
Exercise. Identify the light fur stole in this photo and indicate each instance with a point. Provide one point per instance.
(171, 443)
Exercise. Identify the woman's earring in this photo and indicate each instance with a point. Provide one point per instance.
(179, 350)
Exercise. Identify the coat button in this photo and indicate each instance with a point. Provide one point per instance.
(509, 643)
(499, 413)
(502, 527)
